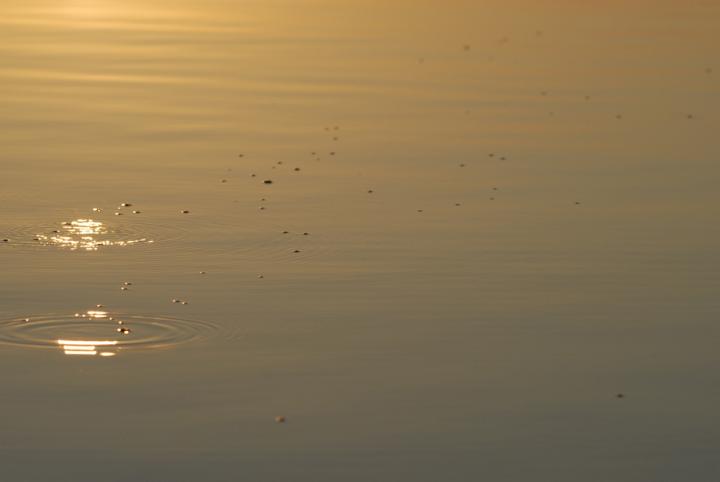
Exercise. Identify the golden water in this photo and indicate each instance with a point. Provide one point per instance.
(511, 216)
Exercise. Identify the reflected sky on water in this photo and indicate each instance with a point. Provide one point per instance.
(487, 220)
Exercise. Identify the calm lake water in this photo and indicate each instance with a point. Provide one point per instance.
(489, 250)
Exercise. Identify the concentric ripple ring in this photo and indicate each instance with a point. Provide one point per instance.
(98, 328)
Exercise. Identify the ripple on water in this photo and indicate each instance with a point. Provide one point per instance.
(102, 333)
(87, 234)
(194, 239)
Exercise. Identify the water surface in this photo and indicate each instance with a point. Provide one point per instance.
(486, 221)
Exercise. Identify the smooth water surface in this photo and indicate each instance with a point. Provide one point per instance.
(489, 250)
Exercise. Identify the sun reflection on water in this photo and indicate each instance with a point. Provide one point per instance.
(102, 333)
(85, 235)
(95, 314)
(87, 347)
